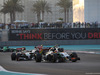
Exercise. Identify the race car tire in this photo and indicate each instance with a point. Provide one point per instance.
(13, 56)
(62, 60)
(74, 57)
(49, 57)
(54, 58)
(38, 57)
(17, 57)
(60, 49)
(57, 60)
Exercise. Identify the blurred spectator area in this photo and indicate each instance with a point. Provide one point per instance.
(49, 25)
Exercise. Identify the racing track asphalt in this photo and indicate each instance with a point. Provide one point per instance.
(89, 64)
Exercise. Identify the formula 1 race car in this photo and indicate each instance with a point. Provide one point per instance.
(22, 54)
(56, 55)
(6, 49)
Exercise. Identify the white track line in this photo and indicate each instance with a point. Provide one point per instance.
(2, 69)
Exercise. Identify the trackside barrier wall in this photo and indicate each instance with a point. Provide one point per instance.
(75, 36)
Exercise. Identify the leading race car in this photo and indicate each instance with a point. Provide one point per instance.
(55, 54)
(22, 54)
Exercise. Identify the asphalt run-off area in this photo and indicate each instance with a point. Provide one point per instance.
(88, 65)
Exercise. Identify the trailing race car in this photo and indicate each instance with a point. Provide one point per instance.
(56, 55)
(6, 49)
(22, 54)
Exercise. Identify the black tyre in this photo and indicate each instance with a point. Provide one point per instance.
(49, 58)
(38, 57)
(18, 57)
(54, 58)
(13, 56)
(62, 59)
(74, 57)
(60, 49)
